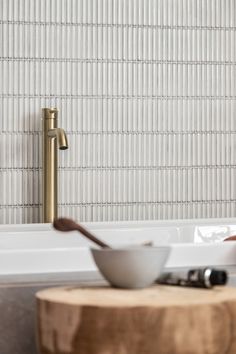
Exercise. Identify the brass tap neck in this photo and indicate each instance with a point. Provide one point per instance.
(53, 138)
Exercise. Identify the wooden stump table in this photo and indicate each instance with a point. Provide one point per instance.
(156, 320)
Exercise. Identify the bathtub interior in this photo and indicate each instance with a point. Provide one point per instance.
(34, 236)
(38, 249)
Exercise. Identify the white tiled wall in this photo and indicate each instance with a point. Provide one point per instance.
(147, 94)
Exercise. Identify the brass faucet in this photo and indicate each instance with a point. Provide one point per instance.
(53, 137)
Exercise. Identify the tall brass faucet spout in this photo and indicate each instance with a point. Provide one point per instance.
(61, 137)
(53, 137)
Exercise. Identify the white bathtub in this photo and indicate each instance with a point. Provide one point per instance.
(35, 252)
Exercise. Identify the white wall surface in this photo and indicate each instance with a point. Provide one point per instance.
(147, 94)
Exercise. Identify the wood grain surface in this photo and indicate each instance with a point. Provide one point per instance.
(230, 238)
(159, 319)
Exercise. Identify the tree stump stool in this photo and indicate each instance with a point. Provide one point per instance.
(157, 320)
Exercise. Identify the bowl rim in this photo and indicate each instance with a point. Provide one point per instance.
(136, 248)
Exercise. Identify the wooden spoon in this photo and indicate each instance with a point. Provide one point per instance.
(231, 238)
(65, 225)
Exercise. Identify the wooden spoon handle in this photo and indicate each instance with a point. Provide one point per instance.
(91, 237)
(230, 238)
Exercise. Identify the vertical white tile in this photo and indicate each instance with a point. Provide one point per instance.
(153, 105)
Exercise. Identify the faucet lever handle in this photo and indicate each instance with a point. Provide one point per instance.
(50, 113)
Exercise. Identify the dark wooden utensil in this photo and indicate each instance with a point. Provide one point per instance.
(65, 225)
(230, 238)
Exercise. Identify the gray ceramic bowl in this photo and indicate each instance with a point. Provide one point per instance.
(131, 267)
